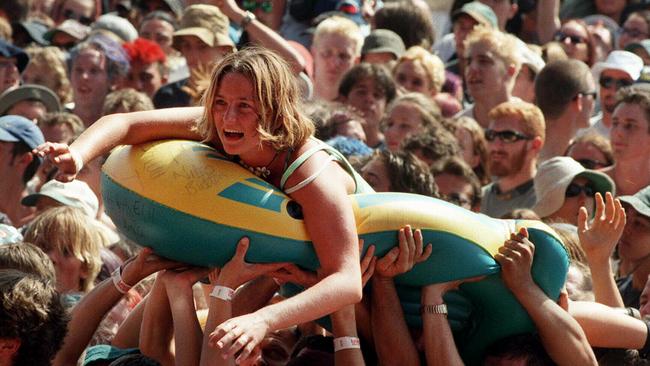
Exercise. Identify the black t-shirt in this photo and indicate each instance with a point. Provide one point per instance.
(172, 95)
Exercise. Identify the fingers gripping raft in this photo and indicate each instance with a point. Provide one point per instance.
(191, 204)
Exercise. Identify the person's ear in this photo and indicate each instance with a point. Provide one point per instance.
(513, 10)
(536, 143)
(357, 60)
(511, 70)
(9, 348)
(577, 102)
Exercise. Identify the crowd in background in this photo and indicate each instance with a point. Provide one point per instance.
(516, 109)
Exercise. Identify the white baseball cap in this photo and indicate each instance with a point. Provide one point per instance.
(554, 176)
(74, 194)
(625, 61)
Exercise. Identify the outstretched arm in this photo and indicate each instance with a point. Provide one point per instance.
(598, 240)
(120, 129)
(561, 335)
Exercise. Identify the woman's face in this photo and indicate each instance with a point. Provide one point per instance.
(376, 174)
(236, 115)
(89, 77)
(635, 29)
(572, 201)
(573, 37)
(403, 120)
(629, 135)
(411, 76)
(69, 270)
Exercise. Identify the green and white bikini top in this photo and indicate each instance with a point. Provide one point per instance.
(361, 186)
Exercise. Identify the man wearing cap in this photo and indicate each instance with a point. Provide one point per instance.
(565, 92)
(67, 34)
(75, 194)
(451, 46)
(515, 137)
(30, 101)
(13, 61)
(18, 137)
(634, 247)
(562, 186)
(621, 68)
(382, 46)
(532, 64)
(203, 39)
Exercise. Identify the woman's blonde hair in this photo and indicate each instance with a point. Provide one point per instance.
(433, 66)
(68, 229)
(282, 123)
(428, 110)
(52, 59)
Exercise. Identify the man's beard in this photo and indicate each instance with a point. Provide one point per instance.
(513, 164)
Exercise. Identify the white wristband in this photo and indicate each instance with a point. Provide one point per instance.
(223, 293)
(78, 160)
(119, 283)
(342, 343)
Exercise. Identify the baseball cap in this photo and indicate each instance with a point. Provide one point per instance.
(10, 51)
(9, 234)
(640, 201)
(35, 29)
(117, 25)
(554, 176)
(70, 27)
(383, 40)
(529, 58)
(625, 61)
(106, 352)
(20, 129)
(29, 92)
(479, 12)
(74, 194)
(207, 23)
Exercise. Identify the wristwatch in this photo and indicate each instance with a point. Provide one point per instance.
(434, 309)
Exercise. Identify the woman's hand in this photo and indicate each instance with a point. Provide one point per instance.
(237, 271)
(599, 239)
(401, 259)
(243, 333)
(66, 159)
(145, 263)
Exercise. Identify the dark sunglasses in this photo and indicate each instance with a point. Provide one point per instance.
(591, 164)
(561, 36)
(574, 190)
(70, 14)
(508, 136)
(607, 82)
(252, 5)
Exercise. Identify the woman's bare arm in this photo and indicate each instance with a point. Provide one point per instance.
(121, 129)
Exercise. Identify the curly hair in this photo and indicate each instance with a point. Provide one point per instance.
(31, 311)
(434, 144)
(407, 173)
(50, 61)
(28, 258)
(432, 65)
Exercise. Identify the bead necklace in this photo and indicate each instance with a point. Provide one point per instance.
(260, 171)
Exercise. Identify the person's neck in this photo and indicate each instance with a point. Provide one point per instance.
(88, 112)
(510, 182)
(558, 136)
(11, 193)
(607, 119)
(484, 105)
(324, 90)
(632, 175)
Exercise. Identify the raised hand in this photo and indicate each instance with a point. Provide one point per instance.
(67, 160)
(401, 259)
(599, 238)
(516, 260)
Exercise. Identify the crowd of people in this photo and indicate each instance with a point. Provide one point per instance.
(515, 109)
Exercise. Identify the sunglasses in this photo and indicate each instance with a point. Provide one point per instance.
(607, 82)
(70, 14)
(574, 190)
(252, 5)
(561, 36)
(508, 136)
(591, 164)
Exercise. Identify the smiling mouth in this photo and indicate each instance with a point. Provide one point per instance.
(233, 134)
